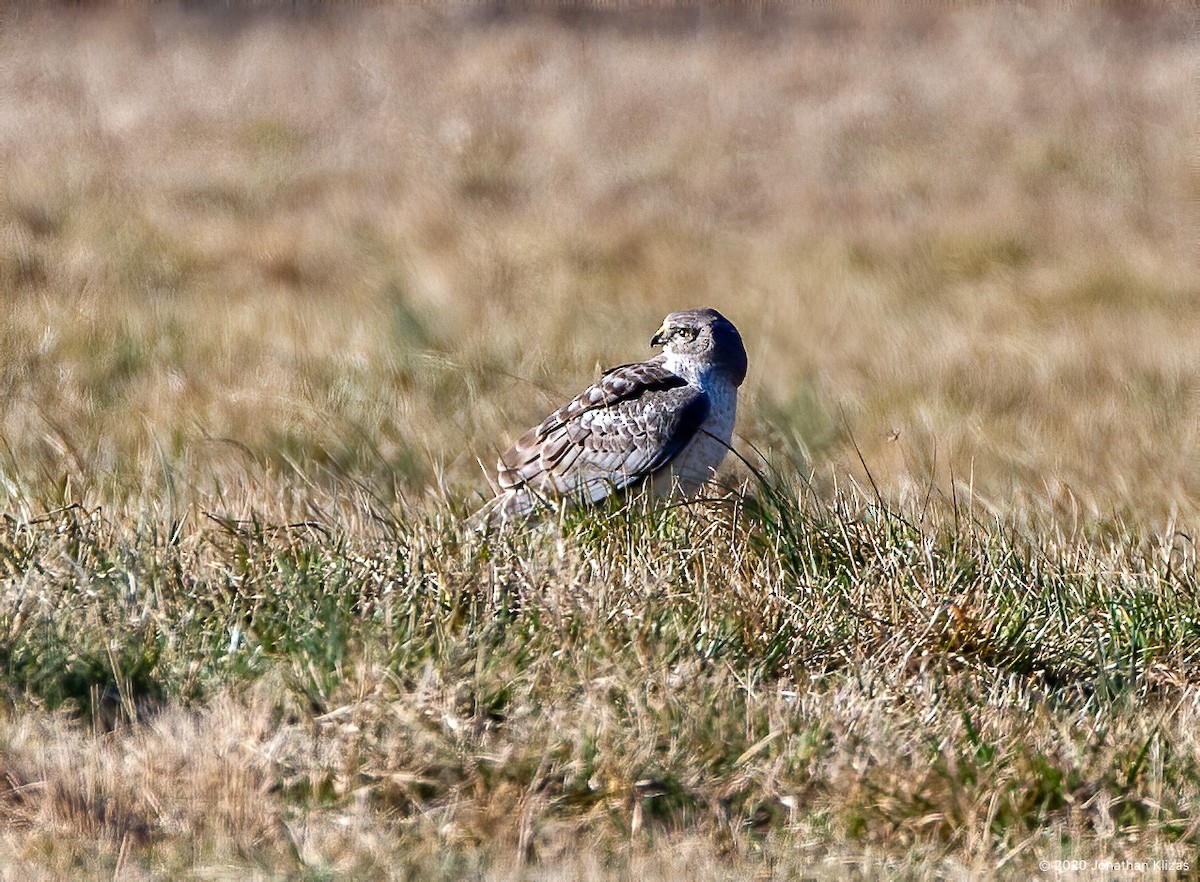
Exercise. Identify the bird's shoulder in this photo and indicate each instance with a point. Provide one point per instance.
(636, 381)
(625, 425)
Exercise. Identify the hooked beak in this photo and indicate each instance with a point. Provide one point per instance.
(660, 337)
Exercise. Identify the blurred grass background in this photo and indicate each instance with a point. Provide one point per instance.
(272, 282)
(960, 239)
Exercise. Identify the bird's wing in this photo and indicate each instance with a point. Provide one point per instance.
(611, 436)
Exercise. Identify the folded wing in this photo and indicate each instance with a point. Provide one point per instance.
(610, 437)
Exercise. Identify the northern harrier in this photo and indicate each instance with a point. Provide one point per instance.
(665, 423)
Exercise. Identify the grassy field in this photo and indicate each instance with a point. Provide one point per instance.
(273, 285)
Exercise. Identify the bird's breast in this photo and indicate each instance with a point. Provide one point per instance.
(698, 461)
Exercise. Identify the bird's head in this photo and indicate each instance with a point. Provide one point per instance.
(705, 337)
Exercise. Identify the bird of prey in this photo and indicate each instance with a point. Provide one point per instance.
(665, 424)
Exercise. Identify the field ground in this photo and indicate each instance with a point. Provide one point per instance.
(272, 285)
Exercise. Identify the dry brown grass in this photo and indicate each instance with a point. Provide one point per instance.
(305, 269)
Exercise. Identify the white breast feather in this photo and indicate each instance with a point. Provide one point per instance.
(697, 462)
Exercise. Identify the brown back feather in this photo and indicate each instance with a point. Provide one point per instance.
(609, 437)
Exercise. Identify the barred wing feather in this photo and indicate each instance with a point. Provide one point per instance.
(610, 437)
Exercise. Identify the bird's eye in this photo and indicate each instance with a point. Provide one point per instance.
(687, 333)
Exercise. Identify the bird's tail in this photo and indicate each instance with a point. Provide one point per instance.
(507, 507)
